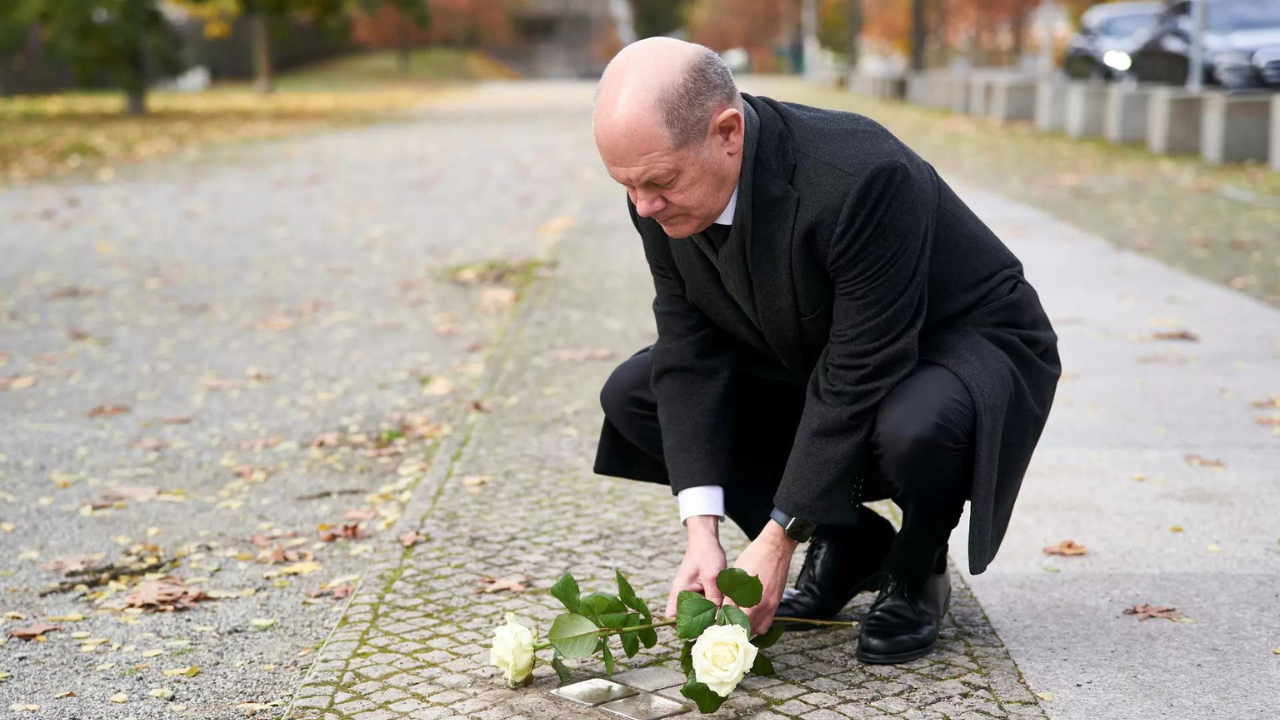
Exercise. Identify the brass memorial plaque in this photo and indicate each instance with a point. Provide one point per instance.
(645, 706)
(593, 692)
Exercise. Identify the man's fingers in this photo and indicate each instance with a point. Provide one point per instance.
(712, 592)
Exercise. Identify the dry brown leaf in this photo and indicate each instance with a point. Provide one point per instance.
(260, 444)
(166, 594)
(108, 411)
(1066, 547)
(328, 439)
(351, 531)
(1269, 421)
(1175, 335)
(72, 564)
(1145, 611)
(337, 592)
(360, 514)
(1271, 402)
(479, 406)
(129, 492)
(1198, 461)
(33, 632)
(17, 382)
(412, 538)
(580, 355)
(517, 583)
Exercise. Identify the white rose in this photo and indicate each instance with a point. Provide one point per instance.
(722, 655)
(512, 650)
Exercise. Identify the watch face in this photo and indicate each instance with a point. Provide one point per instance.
(800, 530)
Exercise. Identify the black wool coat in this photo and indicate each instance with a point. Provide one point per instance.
(849, 262)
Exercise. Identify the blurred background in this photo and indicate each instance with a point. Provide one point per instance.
(1129, 142)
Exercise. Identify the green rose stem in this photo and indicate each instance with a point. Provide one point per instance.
(669, 623)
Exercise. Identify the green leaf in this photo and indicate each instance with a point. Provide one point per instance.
(762, 665)
(649, 637)
(628, 595)
(630, 641)
(735, 616)
(614, 620)
(595, 604)
(560, 669)
(573, 635)
(769, 637)
(608, 661)
(566, 591)
(708, 701)
(745, 590)
(686, 659)
(694, 614)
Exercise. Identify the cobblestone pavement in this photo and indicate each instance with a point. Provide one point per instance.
(513, 495)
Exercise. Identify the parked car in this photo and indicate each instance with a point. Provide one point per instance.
(1239, 41)
(1108, 34)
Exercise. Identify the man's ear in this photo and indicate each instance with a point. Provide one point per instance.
(728, 127)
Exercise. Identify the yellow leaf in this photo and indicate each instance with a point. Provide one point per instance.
(152, 653)
(1215, 549)
(73, 617)
(1045, 696)
(300, 568)
(162, 693)
(191, 671)
(119, 698)
(263, 623)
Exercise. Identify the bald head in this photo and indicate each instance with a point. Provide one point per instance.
(667, 84)
(669, 127)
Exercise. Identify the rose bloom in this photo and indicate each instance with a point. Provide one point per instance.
(722, 655)
(512, 650)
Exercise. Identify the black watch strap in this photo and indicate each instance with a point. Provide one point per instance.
(796, 528)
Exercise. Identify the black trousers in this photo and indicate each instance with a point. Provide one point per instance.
(922, 443)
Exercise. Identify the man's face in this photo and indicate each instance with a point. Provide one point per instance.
(683, 189)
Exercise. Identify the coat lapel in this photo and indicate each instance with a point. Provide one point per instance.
(756, 259)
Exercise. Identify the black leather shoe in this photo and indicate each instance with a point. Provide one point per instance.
(903, 625)
(840, 563)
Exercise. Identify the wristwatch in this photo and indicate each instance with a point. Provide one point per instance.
(796, 529)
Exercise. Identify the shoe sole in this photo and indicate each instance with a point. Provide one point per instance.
(905, 657)
(870, 583)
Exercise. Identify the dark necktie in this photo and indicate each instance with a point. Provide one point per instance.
(718, 235)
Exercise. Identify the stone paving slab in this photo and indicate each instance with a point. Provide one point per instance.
(413, 643)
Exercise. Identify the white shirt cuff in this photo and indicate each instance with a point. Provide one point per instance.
(701, 500)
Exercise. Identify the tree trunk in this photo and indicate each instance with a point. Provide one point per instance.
(919, 33)
(404, 57)
(855, 33)
(136, 97)
(260, 41)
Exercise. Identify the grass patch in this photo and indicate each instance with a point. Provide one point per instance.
(43, 136)
(1216, 222)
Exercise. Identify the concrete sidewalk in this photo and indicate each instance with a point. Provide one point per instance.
(1117, 471)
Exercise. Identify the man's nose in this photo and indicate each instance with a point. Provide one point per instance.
(649, 205)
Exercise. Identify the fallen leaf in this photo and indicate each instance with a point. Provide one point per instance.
(580, 355)
(497, 298)
(1215, 548)
(1175, 528)
(167, 593)
(479, 406)
(1066, 547)
(351, 531)
(517, 583)
(1271, 402)
(72, 564)
(1045, 696)
(17, 382)
(162, 693)
(328, 439)
(33, 632)
(261, 624)
(23, 707)
(437, 386)
(108, 411)
(177, 420)
(1197, 461)
(1175, 335)
(337, 592)
(1269, 421)
(220, 384)
(301, 568)
(360, 514)
(190, 671)
(1145, 611)
(129, 492)
(412, 538)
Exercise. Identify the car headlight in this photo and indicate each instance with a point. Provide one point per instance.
(1233, 70)
(1117, 60)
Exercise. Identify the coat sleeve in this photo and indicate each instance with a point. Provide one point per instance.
(692, 373)
(878, 263)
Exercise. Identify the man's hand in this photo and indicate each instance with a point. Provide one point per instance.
(768, 557)
(703, 561)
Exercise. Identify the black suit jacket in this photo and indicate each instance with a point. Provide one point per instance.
(849, 262)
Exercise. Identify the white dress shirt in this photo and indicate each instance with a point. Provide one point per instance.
(707, 499)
